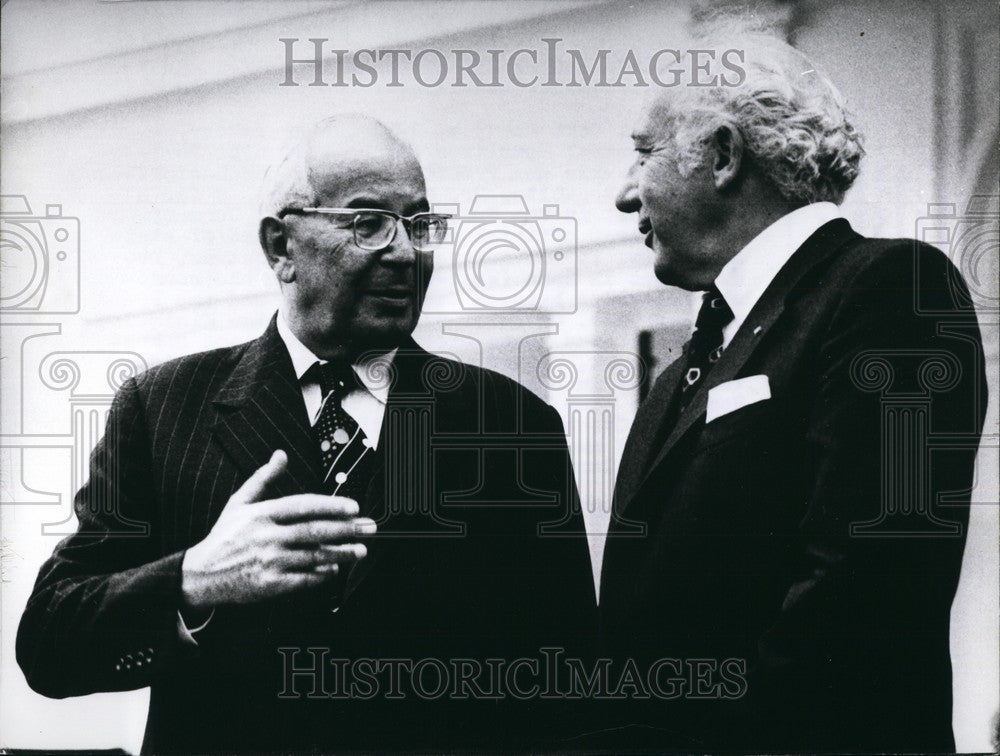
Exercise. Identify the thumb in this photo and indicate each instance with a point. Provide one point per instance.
(256, 485)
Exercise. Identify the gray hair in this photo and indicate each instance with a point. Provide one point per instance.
(286, 182)
(793, 120)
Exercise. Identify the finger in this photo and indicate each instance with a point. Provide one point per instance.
(291, 509)
(255, 487)
(345, 553)
(309, 560)
(324, 558)
(319, 532)
(296, 581)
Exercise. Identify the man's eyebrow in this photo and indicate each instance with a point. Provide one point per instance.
(364, 201)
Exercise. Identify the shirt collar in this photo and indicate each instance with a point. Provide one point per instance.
(746, 276)
(364, 368)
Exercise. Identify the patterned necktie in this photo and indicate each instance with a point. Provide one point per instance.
(342, 443)
(706, 343)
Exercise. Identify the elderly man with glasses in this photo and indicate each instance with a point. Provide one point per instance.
(335, 540)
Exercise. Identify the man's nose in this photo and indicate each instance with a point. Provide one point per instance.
(628, 196)
(400, 249)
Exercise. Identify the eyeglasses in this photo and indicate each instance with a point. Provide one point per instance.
(374, 230)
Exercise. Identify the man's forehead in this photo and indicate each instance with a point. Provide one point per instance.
(381, 168)
(357, 182)
(654, 121)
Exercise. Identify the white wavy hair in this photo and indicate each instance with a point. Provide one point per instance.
(793, 120)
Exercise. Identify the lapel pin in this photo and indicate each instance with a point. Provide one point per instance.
(757, 330)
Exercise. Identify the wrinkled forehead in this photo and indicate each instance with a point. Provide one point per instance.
(343, 168)
(657, 120)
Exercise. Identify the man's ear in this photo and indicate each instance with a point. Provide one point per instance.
(274, 242)
(728, 159)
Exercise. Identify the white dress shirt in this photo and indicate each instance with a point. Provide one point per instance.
(366, 405)
(745, 277)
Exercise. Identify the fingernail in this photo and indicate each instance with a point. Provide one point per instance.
(360, 550)
(365, 527)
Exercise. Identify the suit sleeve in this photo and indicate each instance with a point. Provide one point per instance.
(563, 584)
(859, 652)
(559, 588)
(103, 612)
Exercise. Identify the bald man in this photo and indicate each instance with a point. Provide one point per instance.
(343, 538)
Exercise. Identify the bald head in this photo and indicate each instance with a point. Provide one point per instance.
(352, 147)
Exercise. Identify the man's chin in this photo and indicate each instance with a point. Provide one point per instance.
(668, 274)
(384, 333)
(664, 272)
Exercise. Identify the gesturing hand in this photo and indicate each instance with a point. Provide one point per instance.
(260, 548)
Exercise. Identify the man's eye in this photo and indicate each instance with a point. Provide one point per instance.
(368, 223)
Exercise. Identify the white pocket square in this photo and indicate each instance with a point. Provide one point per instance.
(730, 396)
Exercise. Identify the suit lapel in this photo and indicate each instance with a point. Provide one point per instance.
(642, 445)
(824, 242)
(262, 410)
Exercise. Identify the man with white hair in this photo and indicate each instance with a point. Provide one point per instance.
(802, 544)
(333, 534)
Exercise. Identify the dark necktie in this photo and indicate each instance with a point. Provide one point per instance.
(706, 344)
(342, 443)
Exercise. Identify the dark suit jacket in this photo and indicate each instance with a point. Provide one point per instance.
(815, 537)
(472, 466)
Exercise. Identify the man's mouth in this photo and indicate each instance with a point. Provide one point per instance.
(392, 294)
(646, 229)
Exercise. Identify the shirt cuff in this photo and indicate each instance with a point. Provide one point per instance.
(186, 633)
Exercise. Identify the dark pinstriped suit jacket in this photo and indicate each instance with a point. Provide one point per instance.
(470, 459)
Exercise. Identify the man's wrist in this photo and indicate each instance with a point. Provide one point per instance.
(195, 605)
